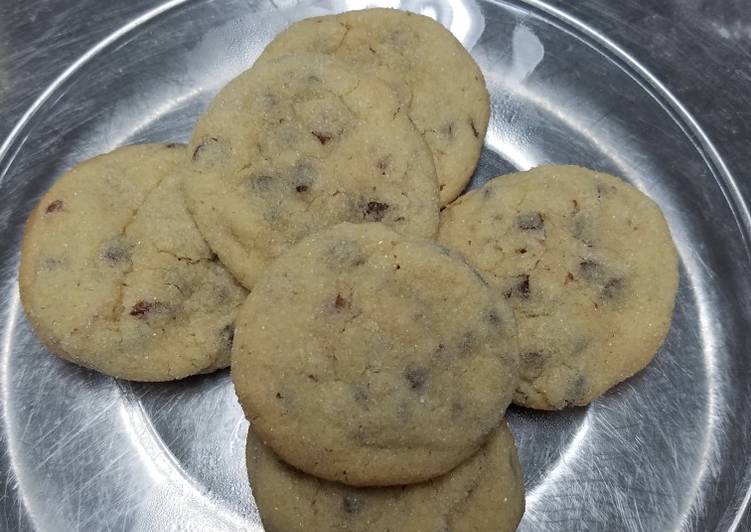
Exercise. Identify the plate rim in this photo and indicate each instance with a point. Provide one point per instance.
(651, 83)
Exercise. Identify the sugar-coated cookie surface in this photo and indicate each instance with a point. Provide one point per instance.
(368, 358)
(116, 277)
(296, 145)
(483, 494)
(438, 83)
(589, 266)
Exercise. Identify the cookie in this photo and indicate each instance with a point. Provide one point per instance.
(368, 358)
(483, 494)
(587, 263)
(438, 83)
(115, 276)
(299, 144)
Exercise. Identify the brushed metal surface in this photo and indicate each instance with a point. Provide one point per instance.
(657, 92)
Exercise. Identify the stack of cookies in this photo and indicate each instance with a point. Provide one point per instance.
(377, 326)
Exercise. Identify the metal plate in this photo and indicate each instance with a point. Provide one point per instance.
(667, 450)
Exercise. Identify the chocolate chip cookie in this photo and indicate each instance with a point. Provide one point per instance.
(439, 84)
(299, 144)
(589, 266)
(483, 494)
(116, 277)
(368, 358)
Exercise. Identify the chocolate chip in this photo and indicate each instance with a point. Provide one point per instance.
(613, 288)
(416, 377)
(374, 211)
(382, 164)
(576, 206)
(474, 128)
(443, 250)
(226, 338)
(323, 138)
(345, 253)
(532, 358)
(468, 341)
(171, 145)
(269, 99)
(279, 395)
(493, 317)
(577, 390)
(260, 183)
(580, 344)
(521, 251)
(51, 264)
(302, 176)
(530, 221)
(271, 212)
(342, 303)
(55, 206)
(312, 377)
(591, 269)
(117, 251)
(523, 287)
(350, 504)
(360, 395)
(520, 289)
(569, 278)
(531, 364)
(116, 254)
(582, 229)
(142, 308)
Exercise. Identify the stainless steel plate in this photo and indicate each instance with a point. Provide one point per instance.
(667, 450)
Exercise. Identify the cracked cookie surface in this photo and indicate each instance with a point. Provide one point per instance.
(115, 276)
(436, 79)
(483, 494)
(299, 144)
(371, 359)
(589, 266)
